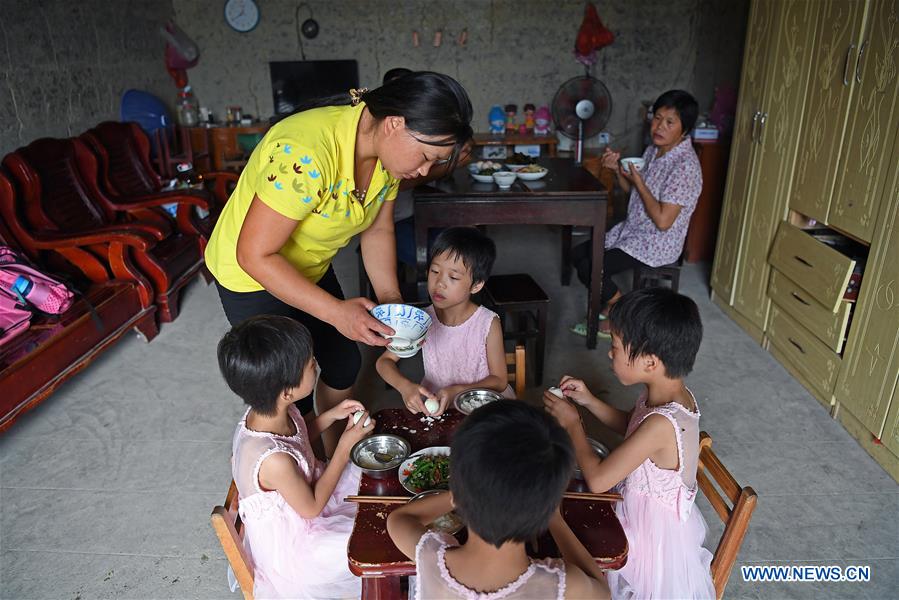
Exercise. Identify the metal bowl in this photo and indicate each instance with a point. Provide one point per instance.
(457, 523)
(464, 400)
(368, 454)
(601, 451)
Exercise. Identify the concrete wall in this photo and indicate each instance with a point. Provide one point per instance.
(518, 50)
(65, 64)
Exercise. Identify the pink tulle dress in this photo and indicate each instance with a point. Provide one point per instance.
(665, 531)
(458, 355)
(543, 579)
(293, 557)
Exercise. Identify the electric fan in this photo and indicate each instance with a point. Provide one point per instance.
(580, 109)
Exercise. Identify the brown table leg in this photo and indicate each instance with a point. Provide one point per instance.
(381, 588)
(593, 295)
(566, 254)
(421, 255)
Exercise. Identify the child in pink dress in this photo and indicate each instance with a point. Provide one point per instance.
(498, 453)
(296, 524)
(464, 347)
(655, 336)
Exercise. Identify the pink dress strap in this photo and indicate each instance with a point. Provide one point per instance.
(456, 354)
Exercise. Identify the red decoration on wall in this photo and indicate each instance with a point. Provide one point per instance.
(592, 36)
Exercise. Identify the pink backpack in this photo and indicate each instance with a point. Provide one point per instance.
(25, 290)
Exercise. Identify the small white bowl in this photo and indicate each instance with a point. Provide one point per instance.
(482, 178)
(634, 160)
(504, 179)
(411, 325)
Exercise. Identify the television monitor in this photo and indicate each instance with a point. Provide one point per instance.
(295, 82)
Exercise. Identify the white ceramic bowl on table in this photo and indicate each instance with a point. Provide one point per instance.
(411, 325)
(504, 179)
(482, 178)
(532, 175)
(408, 465)
(633, 160)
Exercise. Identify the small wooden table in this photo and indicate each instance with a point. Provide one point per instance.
(567, 195)
(373, 556)
(517, 139)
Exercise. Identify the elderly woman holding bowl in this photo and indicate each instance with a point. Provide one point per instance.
(316, 180)
(663, 195)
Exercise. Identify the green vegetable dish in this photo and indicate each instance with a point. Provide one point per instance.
(428, 473)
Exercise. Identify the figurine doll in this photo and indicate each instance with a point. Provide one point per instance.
(511, 111)
(529, 117)
(541, 121)
(497, 119)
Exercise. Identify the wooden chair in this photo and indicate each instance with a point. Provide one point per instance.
(522, 306)
(516, 363)
(654, 276)
(736, 518)
(229, 529)
(59, 194)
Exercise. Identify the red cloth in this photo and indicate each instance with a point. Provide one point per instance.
(592, 35)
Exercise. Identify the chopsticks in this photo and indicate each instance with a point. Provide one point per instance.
(403, 499)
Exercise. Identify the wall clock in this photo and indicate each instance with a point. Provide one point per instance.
(242, 15)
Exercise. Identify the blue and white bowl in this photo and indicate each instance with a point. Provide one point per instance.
(411, 325)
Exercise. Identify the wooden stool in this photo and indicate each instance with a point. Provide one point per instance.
(519, 295)
(654, 276)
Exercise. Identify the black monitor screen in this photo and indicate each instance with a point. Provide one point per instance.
(295, 83)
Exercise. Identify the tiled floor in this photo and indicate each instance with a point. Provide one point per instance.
(105, 490)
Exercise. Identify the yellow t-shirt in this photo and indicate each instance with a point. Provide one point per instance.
(302, 168)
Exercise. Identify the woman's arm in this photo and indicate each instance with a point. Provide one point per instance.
(409, 390)
(378, 244)
(662, 214)
(408, 523)
(497, 380)
(262, 235)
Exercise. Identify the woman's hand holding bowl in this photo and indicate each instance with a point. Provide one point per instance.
(355, 322)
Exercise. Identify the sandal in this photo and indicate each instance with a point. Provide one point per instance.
(581, 330)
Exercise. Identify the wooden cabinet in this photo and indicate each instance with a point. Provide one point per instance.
(764, 167)
(866, 381)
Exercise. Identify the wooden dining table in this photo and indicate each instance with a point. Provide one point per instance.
(568, 195)
(373, 556)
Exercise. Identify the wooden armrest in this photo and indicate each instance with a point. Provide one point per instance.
(158, 199)
(230, 175)
(102, 235)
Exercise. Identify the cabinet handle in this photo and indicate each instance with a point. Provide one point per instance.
(858, 61)
(805, 262)
(755, 119)
(799, 298)
(846, 64)
(762, 126)
(795, 343)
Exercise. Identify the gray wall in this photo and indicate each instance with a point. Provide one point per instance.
(518, 50)
(65, 64)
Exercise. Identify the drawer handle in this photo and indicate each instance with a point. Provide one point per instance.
(846, 65)
(795, 343)
(799, 298)
(805, 262)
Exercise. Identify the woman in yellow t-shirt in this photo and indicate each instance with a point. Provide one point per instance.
(315, 180)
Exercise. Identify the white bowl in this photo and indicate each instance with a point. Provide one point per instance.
(482, 178)
(504, 179)
(534, 176)
(633, 160)
(409, 323)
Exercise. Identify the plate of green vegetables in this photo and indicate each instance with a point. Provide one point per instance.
(427, 469)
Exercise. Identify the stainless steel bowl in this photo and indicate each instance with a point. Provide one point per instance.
(476, 395)
(380, 455)
(456, 524)
(601, 451)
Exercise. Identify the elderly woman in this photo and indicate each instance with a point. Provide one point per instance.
(317, 179)
(663, 195)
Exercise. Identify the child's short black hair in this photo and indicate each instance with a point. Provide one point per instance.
(662, 322)
(510, 464)
(684, 103)
(476, 250)
(262, 357)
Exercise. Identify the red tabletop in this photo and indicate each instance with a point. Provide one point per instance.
(371, 552)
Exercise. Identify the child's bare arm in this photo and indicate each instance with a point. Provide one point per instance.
(586, 579)
(497, 380)
(410, 391)
(652, 439)
(280, 472)
(315, 424)
(608, 415)
(409, 522)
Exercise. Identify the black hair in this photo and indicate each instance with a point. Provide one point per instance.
(432, 104)
(262, 357)
(395, 73)
(476, 250)
(682, 102)
(510, 466)
(661, 322)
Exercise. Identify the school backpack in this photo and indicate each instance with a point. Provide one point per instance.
(24, 291)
